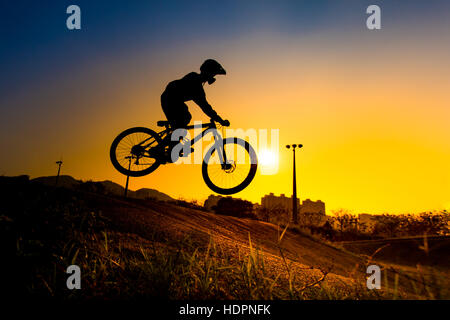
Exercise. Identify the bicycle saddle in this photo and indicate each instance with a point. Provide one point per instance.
(162, 123)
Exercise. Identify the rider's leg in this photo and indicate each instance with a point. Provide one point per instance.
(179, 133)
(179, 117)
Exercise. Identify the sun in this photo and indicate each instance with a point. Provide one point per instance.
(268, 161)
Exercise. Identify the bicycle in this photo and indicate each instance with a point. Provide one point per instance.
(139, 151)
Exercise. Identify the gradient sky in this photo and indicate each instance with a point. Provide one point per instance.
(371, 107)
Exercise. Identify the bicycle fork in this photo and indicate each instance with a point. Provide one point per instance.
(219, 145)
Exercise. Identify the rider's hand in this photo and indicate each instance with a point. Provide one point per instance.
(225, 123)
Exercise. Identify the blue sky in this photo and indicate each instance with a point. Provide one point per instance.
(35, 40)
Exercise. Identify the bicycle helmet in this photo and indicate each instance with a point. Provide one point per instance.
(211, 68)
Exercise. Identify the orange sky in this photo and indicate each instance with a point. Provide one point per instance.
(370, 109)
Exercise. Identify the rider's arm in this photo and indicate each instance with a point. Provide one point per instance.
(206, 108)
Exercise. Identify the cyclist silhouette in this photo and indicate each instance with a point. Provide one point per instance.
(188, 88)
(228, 166)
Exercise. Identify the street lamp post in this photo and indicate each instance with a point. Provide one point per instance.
(294, 183)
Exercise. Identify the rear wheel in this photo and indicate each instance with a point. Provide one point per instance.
(131, 152)
(238, 171)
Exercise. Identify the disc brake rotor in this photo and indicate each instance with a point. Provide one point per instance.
(229, 167)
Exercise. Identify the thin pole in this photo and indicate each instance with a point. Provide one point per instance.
(59, 163)
(294, 193)
(128, 175)
(294, 183)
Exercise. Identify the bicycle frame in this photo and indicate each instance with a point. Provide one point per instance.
(209, 127)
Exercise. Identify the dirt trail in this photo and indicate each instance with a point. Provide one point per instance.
(232, 235)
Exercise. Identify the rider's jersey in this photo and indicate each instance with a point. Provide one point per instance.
(190, 87)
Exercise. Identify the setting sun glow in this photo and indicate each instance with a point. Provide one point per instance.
(268, 161)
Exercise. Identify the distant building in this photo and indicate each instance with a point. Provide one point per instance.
(316, 207)
(282, 202)
(280, 208)
(310, 212)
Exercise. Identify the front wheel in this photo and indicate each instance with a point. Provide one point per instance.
(233, 171)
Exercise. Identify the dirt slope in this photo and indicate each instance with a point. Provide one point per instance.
(46, 227)
(232, 235)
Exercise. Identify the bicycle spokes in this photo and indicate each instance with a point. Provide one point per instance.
(134, 146)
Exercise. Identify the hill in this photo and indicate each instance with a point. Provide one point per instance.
(63, 181)
(131, 248)
(146, 193)
(108, 186)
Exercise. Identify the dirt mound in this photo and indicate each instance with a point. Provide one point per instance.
(154, 248)
(234, 235)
